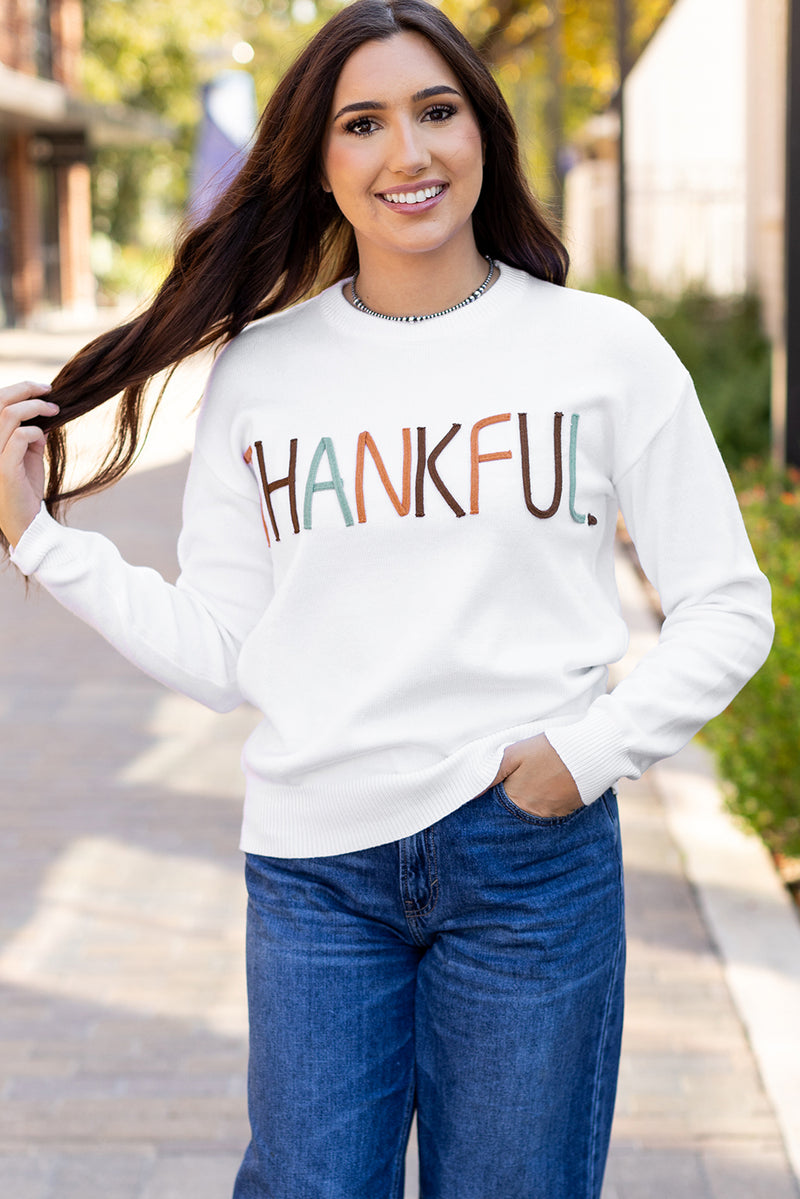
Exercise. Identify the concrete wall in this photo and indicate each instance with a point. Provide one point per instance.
(685, 118)
(705, 131)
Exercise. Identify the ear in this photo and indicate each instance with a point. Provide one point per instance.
(323, 182)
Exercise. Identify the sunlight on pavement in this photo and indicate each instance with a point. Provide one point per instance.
(194, 751)
(39, 354)
(171, 437)
(146, 932)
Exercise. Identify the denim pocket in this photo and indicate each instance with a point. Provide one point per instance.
(505, 801)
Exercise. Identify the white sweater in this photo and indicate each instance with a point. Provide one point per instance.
(398, 545)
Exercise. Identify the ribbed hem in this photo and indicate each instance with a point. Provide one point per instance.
(593, 752)
(319, 821)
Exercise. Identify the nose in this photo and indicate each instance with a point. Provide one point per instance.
(409, 153)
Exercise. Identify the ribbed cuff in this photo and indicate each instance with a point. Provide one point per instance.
(40, 537)
(593, 752)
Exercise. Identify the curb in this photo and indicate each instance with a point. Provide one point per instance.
(747, 911)
(753, 922)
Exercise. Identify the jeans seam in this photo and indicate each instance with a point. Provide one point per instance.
(410, 910)
(408, 1113)
(604, 801)
(601, 1048)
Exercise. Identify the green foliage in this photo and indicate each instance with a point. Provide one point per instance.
(722, 345)
(141, 53)
(128, 272)
(511, 30)
(556, 63)
(755, 740)
(154, 56)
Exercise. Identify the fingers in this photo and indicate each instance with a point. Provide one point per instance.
(22, 391)
(23, 439)
(13, 412)
(534, 771)
(21, 454)
(21, 480)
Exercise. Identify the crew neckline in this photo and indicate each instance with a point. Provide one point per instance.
(487, 310)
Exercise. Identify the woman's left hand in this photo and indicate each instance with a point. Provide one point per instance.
(536, 780)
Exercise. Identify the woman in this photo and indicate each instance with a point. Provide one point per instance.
(397, 543)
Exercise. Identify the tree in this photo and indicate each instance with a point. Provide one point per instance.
(155, 54)
(517, 38)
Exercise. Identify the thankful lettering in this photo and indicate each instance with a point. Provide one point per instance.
(324, 474)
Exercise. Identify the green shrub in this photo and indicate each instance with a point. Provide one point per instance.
(756, 739)
(721, 344)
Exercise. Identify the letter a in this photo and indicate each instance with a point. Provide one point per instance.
(335, 483)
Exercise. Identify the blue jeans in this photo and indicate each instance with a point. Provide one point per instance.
(474, 972)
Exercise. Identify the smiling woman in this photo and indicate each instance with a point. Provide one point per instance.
(430, 827)
(406, 172)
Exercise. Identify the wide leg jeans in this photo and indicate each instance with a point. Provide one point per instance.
(472, 972)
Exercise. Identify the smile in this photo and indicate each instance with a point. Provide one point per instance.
(416, 197)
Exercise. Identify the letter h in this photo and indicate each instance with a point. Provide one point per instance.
(289, 482)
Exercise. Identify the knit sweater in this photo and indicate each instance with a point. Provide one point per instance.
(397, 544)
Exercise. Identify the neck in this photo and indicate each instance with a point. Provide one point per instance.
(419, 283)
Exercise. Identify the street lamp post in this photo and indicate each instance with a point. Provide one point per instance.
(621, 18)
(555, 123)
(792, 236)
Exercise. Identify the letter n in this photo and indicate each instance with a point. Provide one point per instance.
(366, 442)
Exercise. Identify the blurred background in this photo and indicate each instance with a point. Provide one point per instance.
(664, 137)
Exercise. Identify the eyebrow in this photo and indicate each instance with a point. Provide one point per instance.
(438, 89)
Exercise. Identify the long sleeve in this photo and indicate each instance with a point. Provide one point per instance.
(406, 576)
(682, 514)
(187, 635)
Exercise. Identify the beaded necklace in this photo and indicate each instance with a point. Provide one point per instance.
(429, 316)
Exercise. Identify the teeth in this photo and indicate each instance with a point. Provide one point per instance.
(413, 197)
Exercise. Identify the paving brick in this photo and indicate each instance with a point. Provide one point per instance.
(26, 1174)
(100, 1174)
(201, 1176)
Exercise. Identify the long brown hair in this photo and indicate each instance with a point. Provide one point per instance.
(275, 236)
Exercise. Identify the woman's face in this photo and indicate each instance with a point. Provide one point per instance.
(403, 152)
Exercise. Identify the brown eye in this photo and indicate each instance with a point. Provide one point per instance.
(440, 112)
(361, 126)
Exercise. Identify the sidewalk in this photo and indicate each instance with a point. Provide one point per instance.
(122, 1012)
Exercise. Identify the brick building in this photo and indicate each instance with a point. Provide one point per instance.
(47, 133)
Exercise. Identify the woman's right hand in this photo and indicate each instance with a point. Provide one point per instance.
(21, 455)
